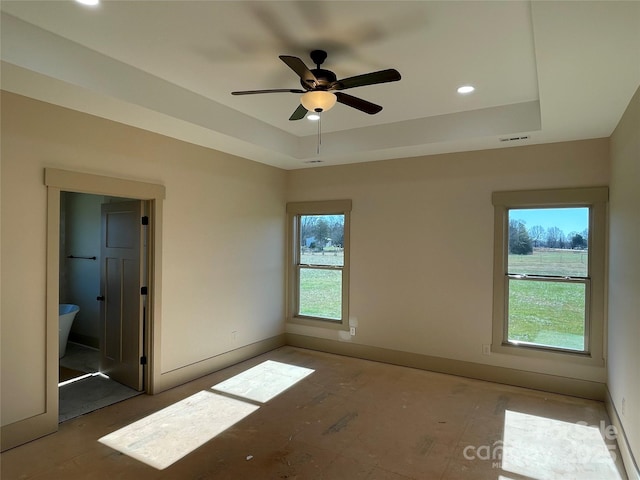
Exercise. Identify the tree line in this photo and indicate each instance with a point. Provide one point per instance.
(319, 231)
(522, 241)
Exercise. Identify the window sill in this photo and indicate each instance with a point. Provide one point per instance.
(564, 356)
(320, 323)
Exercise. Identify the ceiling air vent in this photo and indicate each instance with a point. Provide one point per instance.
(314, 161)
(514, 139)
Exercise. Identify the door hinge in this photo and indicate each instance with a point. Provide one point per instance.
(143, 291)
(143, 360)
(145, 220)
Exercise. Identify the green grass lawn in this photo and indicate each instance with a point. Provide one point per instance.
(321, 290)
(547, 313)
(321, 293)
(335, 257)
(570, 263)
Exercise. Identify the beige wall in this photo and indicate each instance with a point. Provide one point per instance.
(624, 273)
(422, 244)
(223, 236)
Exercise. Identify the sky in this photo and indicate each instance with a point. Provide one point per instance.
(566, 219)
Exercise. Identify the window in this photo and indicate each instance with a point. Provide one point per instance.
(549, 273)
(318, 277)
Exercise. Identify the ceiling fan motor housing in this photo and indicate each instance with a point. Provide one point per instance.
(325, 78)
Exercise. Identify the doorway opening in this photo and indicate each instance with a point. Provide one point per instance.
(103, 267)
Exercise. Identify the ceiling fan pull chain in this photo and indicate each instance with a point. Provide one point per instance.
(319, 132)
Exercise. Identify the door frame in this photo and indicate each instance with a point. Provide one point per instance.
(57, 181)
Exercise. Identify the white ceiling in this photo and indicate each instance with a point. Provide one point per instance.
(549, 70)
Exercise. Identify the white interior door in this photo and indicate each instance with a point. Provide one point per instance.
(122, 302)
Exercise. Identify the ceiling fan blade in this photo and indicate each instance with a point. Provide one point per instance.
(383, 76)
(299, 114)
(301, 69)
(358, 103)
(273, 90)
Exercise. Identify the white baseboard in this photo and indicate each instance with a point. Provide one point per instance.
(490, 373)
(628, 459)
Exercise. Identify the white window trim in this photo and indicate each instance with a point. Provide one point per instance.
(328, 207)
(596, 199)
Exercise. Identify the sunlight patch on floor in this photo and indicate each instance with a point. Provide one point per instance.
(543, 448)
(166, 436)
(81, 377)
(264, 381)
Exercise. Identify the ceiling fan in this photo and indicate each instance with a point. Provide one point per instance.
(322, 89)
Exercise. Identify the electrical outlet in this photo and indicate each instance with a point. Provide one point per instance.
(352, 331)
(234, 336)
(624, 406)
(486, 349)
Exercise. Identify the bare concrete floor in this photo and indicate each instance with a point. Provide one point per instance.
(350, 419)
(89, 394)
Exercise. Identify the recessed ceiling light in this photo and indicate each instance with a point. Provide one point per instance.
(313, 116)
(91, 3)
(466, 89)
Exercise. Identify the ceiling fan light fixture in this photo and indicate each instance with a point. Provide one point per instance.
(318, 101)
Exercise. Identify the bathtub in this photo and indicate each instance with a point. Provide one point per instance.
(66, 314)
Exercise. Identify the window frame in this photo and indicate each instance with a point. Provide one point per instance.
(295, 210)
(594, 198)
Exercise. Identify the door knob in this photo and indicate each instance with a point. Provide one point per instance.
(100, 298)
